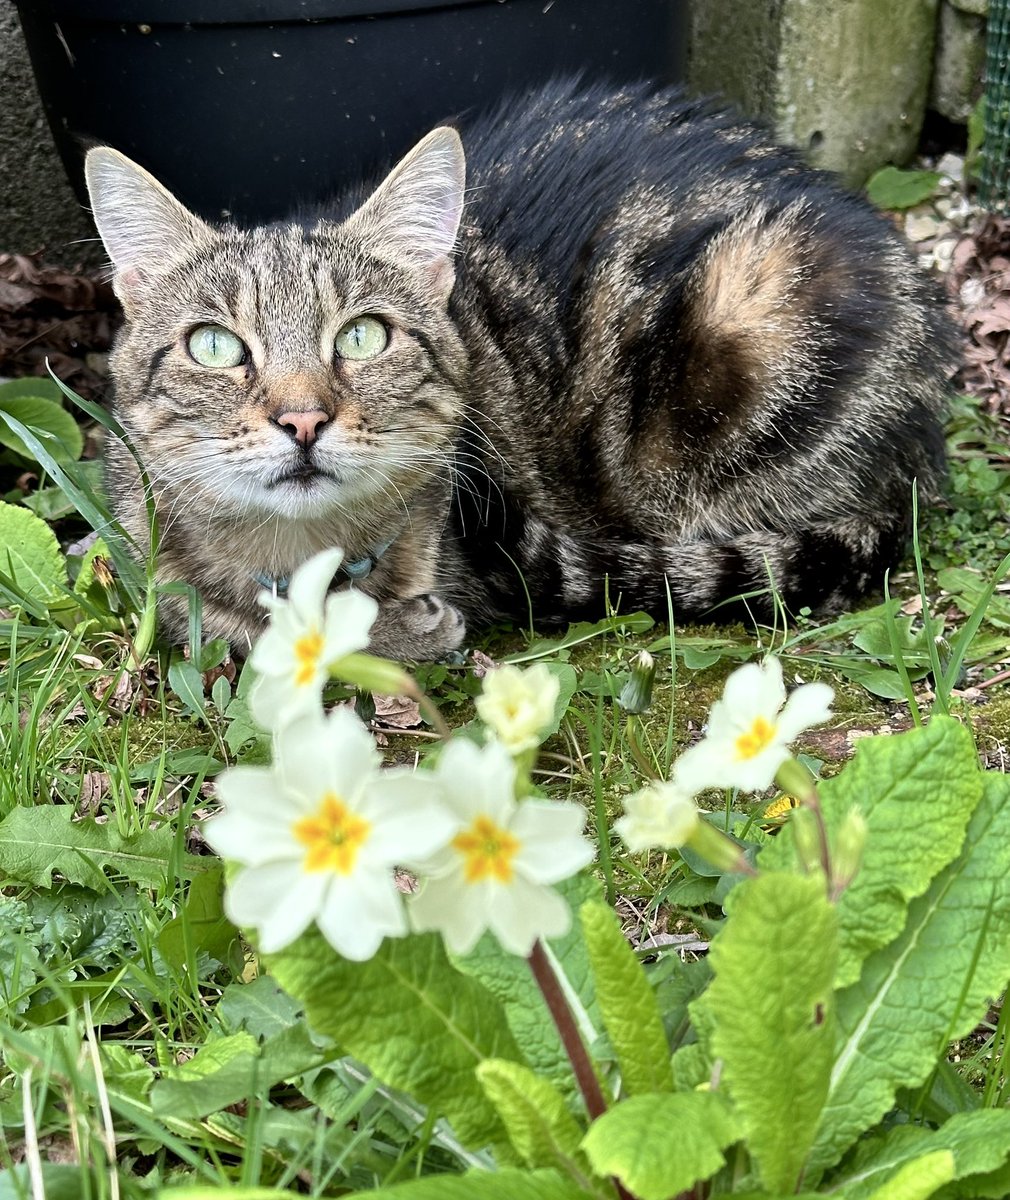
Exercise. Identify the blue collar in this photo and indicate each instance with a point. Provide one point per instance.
(352, 572)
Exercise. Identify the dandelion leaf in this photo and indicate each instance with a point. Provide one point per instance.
(772, 1024)
(917, 791)
(541, 1129)
(979, 1142)
(36, 842)
(929, 986)
(628, 1004)
(234, 1068)
(411, 1018)
(659, 1146)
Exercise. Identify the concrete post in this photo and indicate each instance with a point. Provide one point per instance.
(845, 81)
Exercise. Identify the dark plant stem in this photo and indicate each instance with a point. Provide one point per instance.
(571, 1039)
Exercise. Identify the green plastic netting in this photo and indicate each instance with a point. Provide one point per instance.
(994, 179)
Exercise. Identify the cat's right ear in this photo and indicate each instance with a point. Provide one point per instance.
(146, 231)
(417, 208)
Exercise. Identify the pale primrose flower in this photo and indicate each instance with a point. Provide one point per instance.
(309, 631)
(496, 872)
(662, 815)
(318, 835)
(518, 705)
(750, 729)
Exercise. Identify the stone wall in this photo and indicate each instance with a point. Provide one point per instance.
(37, 207)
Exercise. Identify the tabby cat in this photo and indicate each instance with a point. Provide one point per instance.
(624, 346)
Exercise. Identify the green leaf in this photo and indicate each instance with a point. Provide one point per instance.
(230, 1069)
(920, 1179)
(411, 1018)
(541, 1129)
(979, 1142)
(49, 420)
(583, 631)
(568, 682)
(30, 555)
(892, 188)
(475, 1185)
(628, 1004)
(35, 842)
(200, 925)
(771, 1004)
(929, 986)
(187, 683)
(509, 980)
(259, 1006)
(917, 791)
(659, 1146)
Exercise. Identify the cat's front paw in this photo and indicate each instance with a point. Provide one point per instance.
(422, 628)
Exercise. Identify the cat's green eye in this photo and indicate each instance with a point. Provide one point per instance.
(364, 337)
(214, 346)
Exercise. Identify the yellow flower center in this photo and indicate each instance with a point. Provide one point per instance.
(757, 738)
(307, 652)
(488, 850)
(332, 836)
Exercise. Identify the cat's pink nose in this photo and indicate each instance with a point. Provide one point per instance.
(304, 427)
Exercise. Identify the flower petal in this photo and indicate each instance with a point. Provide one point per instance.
(551, 843)
(347, 623)
(310, 583)
(809, 705)
(279, 900)
(456, 910)
(275, 701)
(753, 690)
(249, 839)
(522, 912)
(359, 912)
(477, 779)
(410, 821)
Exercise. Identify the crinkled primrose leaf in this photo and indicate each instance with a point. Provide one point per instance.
(916, 791)
(411, 1018)
(979, 1141)
(912, 997)
(659, 1146)
(770, 1004)
(541, 1129)
(630, 1011)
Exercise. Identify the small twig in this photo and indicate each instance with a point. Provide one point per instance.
(999, 677)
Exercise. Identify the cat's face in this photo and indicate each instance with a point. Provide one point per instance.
(287, 370)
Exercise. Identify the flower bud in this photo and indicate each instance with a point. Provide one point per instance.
(847, 854)
(371, 674)
(806, 838)
(719, 849)
(636, 695)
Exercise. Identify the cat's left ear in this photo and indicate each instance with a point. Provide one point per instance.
(417, 209)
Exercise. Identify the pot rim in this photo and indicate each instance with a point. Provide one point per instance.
(156, 13)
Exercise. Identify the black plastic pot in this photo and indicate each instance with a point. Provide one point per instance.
(247, 107)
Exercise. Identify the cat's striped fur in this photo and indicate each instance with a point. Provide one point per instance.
(660, 352)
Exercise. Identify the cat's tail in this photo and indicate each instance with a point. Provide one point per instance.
(562, 577)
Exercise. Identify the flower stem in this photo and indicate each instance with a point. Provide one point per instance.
(554, 998)
(582, 1067)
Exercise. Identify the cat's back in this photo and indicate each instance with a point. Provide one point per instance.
(552, 171)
